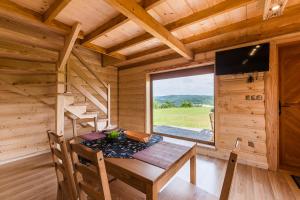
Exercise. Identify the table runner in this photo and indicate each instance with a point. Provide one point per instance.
(92, 136)
(120, 148)
(162, 154)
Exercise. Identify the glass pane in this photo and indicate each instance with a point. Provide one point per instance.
(184, 107)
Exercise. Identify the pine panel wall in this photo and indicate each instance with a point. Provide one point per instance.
(27, 61)
(235, 116)
(241, 113)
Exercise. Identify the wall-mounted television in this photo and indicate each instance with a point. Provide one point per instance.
(243, 60)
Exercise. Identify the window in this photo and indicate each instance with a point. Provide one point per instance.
(183, 104)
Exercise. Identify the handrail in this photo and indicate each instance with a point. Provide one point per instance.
(82, 74)
(88, 95)
(76, 54)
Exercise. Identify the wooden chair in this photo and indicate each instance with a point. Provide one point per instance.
(90, 178)
(121, 191)
(190, 192)
(66, 189)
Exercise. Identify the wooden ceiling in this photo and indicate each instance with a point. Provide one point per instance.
(145, 31)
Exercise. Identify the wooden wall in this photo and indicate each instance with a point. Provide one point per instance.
(235, 116)
(27, 60)
(240, 108)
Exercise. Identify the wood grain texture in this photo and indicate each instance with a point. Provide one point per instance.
(236, 116)
(136, 13)
(271, 103)
(25, 179)
(116, 22)
(54, 10)
(289, 63)
(29, 65)
(197, 16)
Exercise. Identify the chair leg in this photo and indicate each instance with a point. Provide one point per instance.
(59, 193)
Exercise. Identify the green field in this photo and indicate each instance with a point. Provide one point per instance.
(195, 117)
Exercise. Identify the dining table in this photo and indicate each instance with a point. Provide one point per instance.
(150, 169)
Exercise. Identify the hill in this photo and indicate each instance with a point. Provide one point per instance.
(178, 99)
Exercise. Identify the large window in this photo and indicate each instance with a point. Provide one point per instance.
(183, 104)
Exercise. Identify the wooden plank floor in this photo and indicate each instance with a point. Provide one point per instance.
(34, 178)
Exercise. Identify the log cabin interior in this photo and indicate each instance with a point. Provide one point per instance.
(74, 74)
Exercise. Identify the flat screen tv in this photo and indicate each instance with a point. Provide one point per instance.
(243, 60)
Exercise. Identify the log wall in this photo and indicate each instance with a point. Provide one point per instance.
(235, 116)
(27, 61)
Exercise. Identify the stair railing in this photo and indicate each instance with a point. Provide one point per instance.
(82, 74)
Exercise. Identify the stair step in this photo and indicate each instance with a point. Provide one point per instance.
(80, 104)
(76, 110)
(92, 112)
(88, 115)
(102, 123)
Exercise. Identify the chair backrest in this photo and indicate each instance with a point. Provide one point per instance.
(231, 165)
(90, 172)
(62, 164)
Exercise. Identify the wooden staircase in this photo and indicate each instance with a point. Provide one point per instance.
(94, 90)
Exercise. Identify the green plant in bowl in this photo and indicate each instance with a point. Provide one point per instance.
(113, 135)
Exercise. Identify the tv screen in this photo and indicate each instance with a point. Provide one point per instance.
(243, 60)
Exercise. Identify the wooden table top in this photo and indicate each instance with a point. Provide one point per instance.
(144, 171)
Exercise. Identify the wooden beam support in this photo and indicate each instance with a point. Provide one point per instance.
(116, 22)
(273, 8)
(255, 21)
(136, 13)
(215, 10)
(268, 29)
(61, 78)
(15, 11)
(202, 36)
(69, 43)
(54, 10)
(102, 50)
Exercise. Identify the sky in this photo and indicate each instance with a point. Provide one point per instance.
(190, 85)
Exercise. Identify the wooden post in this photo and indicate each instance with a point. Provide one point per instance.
(272, 112)
(108, 105)
(61, 78)
(59, 109)
(193, 167)
(68, 77)
(74, 128)
(96, 123)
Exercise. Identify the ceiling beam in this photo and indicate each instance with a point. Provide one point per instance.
(116, 22)
(68, 46)
(273, 8)
(202, 36)
(217, 9)
(102, 50)
(54, 10)
(15, 11)
(268, 30)
(137, 14)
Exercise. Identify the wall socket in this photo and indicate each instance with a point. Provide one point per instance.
(253, 97)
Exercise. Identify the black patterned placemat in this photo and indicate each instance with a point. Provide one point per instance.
(122, 147)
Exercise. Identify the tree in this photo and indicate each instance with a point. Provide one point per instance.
(167, 104)
(186, 104)
(156, 104)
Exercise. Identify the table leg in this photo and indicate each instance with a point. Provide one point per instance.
(193, 169)
(152, 192)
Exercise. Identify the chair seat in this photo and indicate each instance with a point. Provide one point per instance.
(177, 189)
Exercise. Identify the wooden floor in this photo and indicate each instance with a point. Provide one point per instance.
(34, 178)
